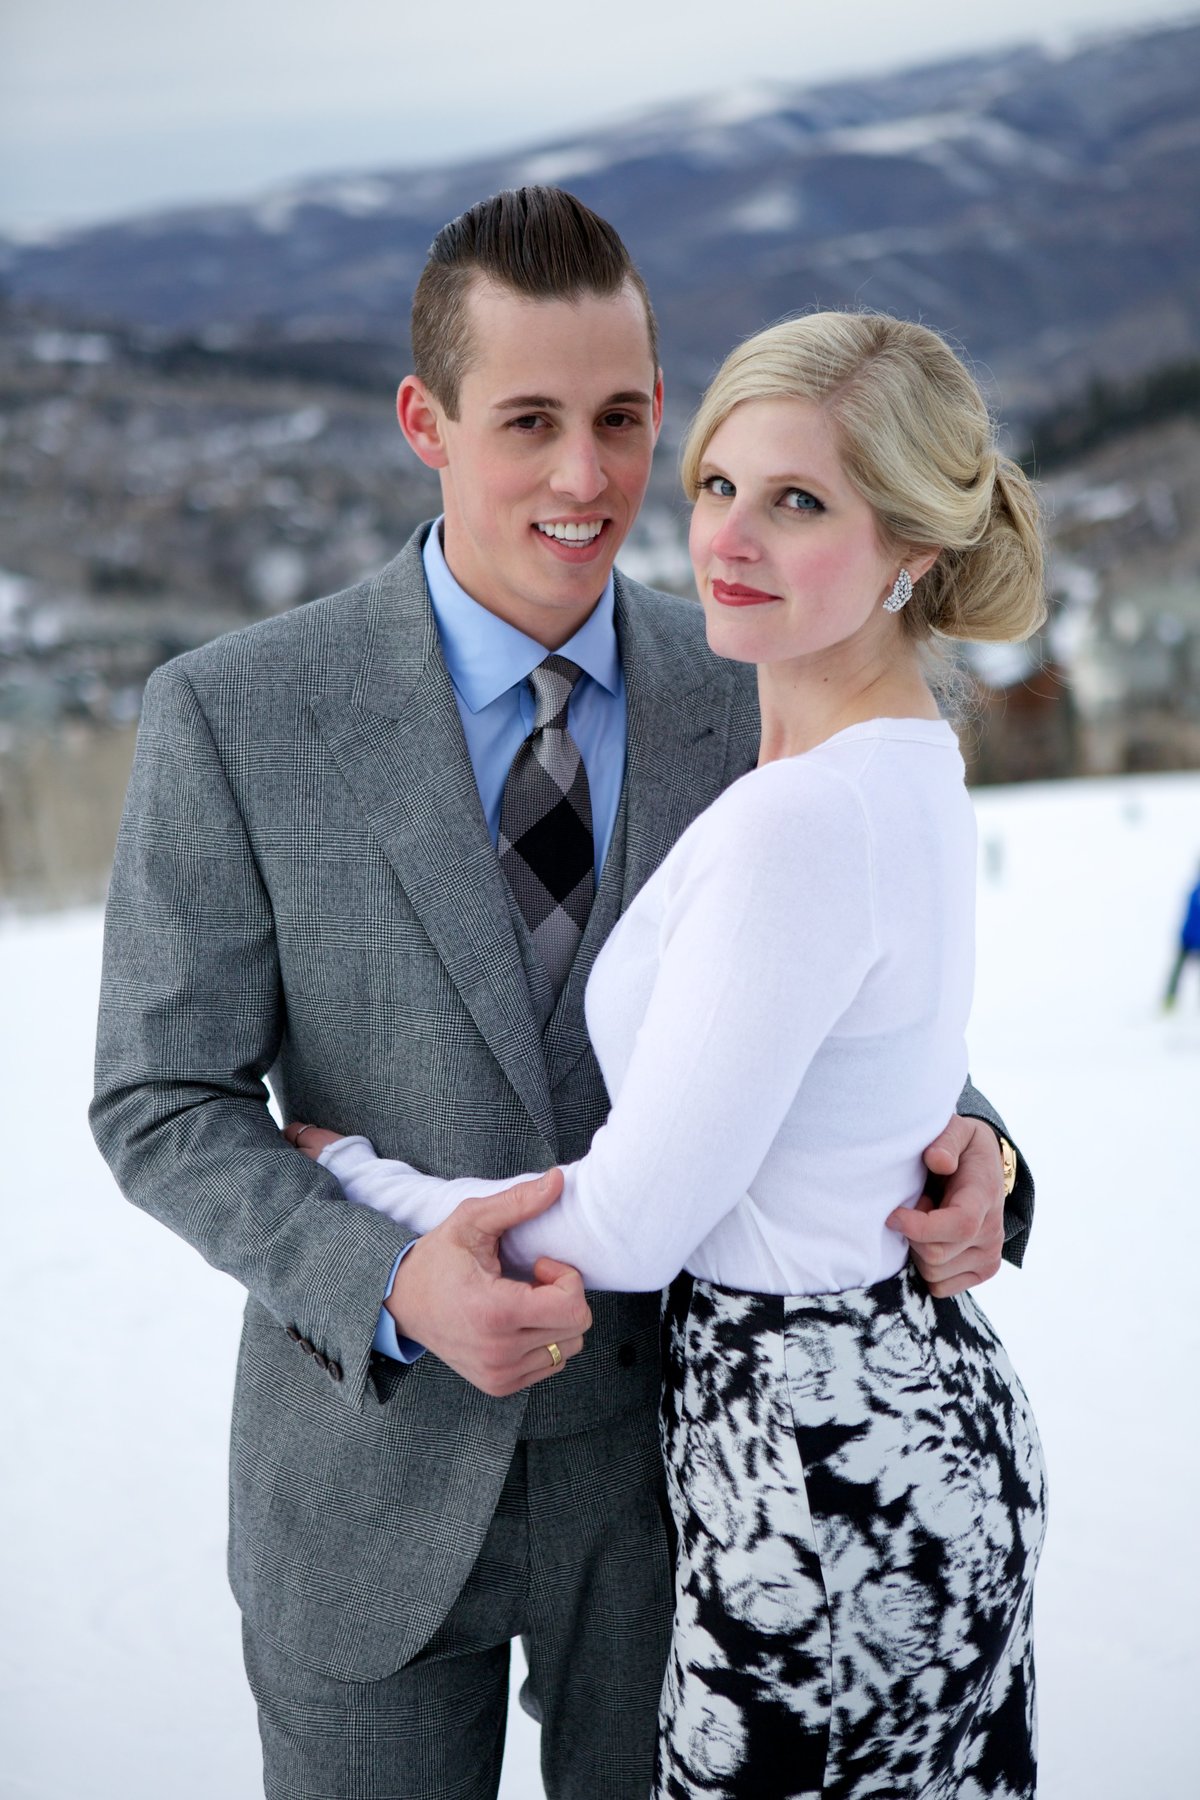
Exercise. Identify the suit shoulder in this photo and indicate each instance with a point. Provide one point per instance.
(283, 646)
(320, 643)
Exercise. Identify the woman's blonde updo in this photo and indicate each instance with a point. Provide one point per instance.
(917, 442)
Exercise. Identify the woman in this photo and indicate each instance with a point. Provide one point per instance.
(780, 1016)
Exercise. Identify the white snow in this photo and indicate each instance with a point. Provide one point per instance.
(276, 576)
(279, 433)
(14, 597)
(120, 1670)
(566, 163)
(925, 135)
(1099, 505)
(358, 196)
(741, 105)
(1000, 665)
(771, 209)
(71, 347)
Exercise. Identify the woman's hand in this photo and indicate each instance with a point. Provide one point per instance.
(310, 1139)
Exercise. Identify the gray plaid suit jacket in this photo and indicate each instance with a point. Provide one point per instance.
(304, 887)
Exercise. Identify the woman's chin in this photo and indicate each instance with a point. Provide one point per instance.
(729, 640)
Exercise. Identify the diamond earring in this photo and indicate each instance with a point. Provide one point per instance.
(901, 594)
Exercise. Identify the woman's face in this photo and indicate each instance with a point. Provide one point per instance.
(787, 555)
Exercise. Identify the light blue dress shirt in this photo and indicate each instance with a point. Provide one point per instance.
(489, 662)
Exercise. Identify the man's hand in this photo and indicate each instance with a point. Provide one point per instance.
(451, 1295)
(958, 1244)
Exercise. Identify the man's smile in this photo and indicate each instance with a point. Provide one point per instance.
(572, 531)
(582, 541)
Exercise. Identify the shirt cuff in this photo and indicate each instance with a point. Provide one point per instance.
(387, 1340)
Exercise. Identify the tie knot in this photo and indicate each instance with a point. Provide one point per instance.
(552, 683)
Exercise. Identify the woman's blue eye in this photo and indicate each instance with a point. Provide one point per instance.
(800, 500)
(719, 485)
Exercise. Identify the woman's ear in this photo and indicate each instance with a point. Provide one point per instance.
(919, 562)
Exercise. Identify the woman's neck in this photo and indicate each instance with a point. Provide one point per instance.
(803, 704)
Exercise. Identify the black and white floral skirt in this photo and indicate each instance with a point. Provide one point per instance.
(858, 1489)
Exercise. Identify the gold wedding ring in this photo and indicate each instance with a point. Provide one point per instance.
(555, 1354)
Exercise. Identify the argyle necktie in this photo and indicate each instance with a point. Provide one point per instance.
(545, 847)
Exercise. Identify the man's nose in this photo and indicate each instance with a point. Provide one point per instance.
(578, 473)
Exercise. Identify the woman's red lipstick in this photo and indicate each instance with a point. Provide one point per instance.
(732, 593)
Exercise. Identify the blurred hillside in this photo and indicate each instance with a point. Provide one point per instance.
(196, 424)
(1039, 206)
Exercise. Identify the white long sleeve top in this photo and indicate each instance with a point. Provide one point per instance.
(780, 1017)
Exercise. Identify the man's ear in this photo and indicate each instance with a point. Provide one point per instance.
(422, 421)
(656, 405)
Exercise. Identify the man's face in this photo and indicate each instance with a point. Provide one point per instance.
(546, 465)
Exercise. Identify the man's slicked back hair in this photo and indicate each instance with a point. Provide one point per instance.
(538, 242)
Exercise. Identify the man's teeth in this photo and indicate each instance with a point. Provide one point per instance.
(574, 534)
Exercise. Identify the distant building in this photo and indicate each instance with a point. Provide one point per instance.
(1136, 675)
(1025, 726)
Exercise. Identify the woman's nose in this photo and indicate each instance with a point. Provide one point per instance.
(734, 540)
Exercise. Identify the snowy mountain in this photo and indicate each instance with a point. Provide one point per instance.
(1038, 206)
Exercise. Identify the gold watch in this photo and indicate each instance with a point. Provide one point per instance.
(1008, 1158)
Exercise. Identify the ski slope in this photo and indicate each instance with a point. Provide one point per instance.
(120, 1672)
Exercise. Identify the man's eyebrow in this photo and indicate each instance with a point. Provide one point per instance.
(530, 402)
(543, 402)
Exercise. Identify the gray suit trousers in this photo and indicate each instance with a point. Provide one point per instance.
(577, 1562)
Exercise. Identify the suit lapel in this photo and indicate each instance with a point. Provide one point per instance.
(677, 742)
(399, 746)
(676, 747)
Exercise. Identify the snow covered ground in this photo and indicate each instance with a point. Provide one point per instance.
(120, 1671)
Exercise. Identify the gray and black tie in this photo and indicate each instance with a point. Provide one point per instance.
(546, 848)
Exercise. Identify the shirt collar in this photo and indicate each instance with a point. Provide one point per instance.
(486, 655)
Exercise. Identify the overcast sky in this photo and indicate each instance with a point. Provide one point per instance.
(115, 107)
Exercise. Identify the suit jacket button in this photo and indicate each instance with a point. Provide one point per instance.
(305, 1346)
(322, 1362)
(335, 1371)
(293, 1334)
(627, 1355)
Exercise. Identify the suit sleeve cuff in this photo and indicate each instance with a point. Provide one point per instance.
(387, 1340)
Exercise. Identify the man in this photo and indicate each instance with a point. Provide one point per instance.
(340, 865)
